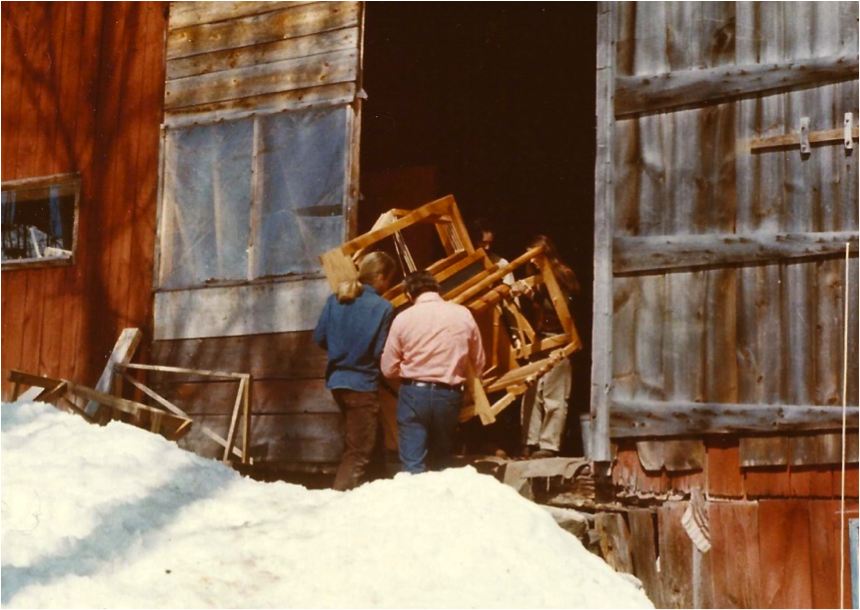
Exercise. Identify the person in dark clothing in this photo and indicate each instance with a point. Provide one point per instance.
(352, 328)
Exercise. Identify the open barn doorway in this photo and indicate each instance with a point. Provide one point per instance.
(493, 103)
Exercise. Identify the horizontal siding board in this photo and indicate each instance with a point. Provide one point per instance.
(267, 356)
(184, 14)
(637, 418)
(251, 81)
(268, 396)
(239, 310)
(669, 252)
(294, 48)
(283, 437)
(661, 92)
(324, 95)
(258, 29)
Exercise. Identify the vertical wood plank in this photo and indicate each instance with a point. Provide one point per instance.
(645, 553)
(603, 227)
(676, 556)
(84, 317)
(15, 23)
(615, 541)
(735, 550)
(786, 580)
(824, 518)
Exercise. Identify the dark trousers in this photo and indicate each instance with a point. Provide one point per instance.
(361, 415)
(426, 426)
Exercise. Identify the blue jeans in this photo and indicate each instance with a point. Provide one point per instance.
(426, 424)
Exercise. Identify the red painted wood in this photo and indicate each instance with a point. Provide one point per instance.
(629, 470)
(767, 482)
(735, 554)
(824, 558)
(60, 88)
(724, 476)
(15, 23)
(784, 540)
(84, 146)
(811, 482)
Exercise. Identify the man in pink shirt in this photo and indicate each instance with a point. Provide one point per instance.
(430, 347)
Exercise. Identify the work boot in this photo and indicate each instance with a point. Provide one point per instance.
(543, 453)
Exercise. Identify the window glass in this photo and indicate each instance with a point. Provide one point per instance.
(38, 220)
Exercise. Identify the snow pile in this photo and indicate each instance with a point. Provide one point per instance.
(117, 517)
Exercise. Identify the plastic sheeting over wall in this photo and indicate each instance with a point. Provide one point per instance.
(258, 197)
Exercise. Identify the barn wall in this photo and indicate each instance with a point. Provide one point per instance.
(753, 561)
(82, 87)
(724, 309)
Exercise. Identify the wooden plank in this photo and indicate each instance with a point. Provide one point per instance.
(336, 94)
(665, 252)
(687, 88)
(816, 137)
(734, 528)
(255, 80)
(184, 14)
(724, 475)
(206, 431)
(763, 451)
(676, 556)
(80, 316)
(615, 541)
(327, 42)
(291, 22)
(604, 218)
(199, 313)
(824, 553)
(627, 473)
(122, 353)
(234, 420)
(270, 396)
(786, 581)
(811, 481)
(639, 418)
(816, 449)
(644, 553)
(267, 356)
(145, 205)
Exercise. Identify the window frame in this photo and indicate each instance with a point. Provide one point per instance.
(72, 179)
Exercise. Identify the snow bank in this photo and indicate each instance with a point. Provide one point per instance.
(118, 517)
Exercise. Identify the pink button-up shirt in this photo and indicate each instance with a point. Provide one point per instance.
(433, 341)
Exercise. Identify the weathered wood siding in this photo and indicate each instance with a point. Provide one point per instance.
(227, 61)
(723, 265)
(82, 87)
(752, 563)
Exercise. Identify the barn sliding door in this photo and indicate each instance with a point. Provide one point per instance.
(259, 163)
(727, 184)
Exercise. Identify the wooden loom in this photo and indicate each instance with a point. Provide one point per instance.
(469, 278)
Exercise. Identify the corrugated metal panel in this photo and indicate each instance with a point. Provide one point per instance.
(742, 303)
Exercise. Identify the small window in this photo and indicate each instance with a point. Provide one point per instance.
(39, 221)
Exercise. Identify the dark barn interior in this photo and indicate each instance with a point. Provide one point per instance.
(493, 103)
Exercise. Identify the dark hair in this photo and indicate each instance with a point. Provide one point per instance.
(478, 227)
(418, 282)
(564, 273)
